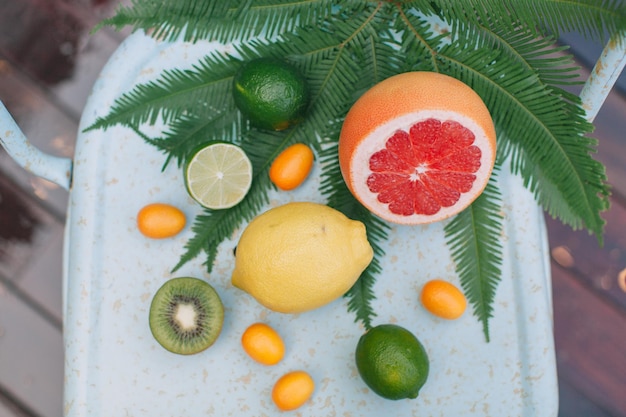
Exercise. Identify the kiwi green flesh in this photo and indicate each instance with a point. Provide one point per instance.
(186, 315)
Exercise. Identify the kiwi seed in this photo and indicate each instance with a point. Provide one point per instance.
(186, 315)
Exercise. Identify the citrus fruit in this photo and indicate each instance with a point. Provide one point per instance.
(219, 175)
(263, 344)
(443, 299)
(392, 362)
(271, 93)
(417, 147)
(300, 256)
(292, 390)
(291, 166)
(159, 220)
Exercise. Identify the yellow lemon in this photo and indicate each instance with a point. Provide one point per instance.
(300, 256)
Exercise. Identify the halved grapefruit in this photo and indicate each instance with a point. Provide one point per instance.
(417, 148)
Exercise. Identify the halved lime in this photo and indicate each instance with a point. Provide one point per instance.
(219, 175)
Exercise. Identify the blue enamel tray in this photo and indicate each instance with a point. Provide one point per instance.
(114, 367)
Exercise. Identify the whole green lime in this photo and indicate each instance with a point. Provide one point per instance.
(392, 362)
(271, 93)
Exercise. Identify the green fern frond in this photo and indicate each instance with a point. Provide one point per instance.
(331, 72)
(332, 80)
(592, 18)
(361, 295)
(540, 131)
(506, 51)
(419, 43)
(474, 238)
(212, 227)
(186, 134)
(168, 20)
(542, 55)
(205, 87)
(222, 21)
(208, 233)
(262, 147)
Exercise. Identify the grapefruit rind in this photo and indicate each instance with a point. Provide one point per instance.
(400, 102)
(359, 172)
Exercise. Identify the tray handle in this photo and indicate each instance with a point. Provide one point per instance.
(604, 76)
(12, 139)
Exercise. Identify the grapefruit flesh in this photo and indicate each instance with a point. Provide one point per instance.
(418, 147)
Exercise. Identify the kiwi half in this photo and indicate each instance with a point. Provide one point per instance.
(186, 315)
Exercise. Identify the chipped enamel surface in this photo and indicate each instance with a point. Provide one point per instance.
(114, 367)
(603, 77)
(12, 139)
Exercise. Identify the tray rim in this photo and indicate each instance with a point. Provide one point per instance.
(86, 203)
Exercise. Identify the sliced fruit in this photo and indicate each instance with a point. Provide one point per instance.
(219, 175)
(417, 147)
(392, 362)
(292, 166)
(186, 315)
(271, 93)
(292, 390)
(159, 220)
(443, 299)
(263, 344)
